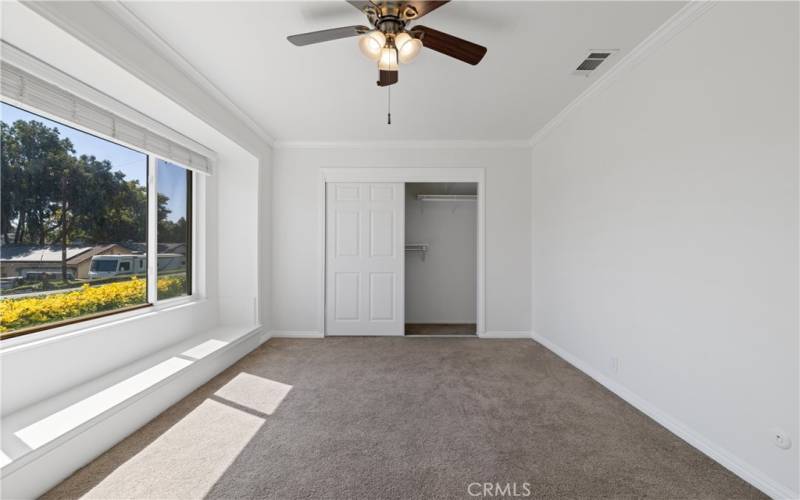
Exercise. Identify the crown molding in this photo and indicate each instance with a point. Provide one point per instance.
(410, 144)
(112, 30)
(673, 26)
(146, 34)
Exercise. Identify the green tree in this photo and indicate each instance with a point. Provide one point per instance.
(31, 154)
(124, 216)
(115, 210)
(70, 202)
(9, 176)
(172, 231)
(51, 196)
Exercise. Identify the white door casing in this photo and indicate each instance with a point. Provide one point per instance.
(364, 279)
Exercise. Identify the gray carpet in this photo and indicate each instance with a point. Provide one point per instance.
(402, 418)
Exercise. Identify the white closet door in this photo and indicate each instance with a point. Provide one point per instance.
(364, 259)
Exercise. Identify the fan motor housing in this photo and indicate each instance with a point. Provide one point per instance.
(381, 14)
(390, 25)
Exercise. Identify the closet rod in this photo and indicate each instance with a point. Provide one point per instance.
(447, 197)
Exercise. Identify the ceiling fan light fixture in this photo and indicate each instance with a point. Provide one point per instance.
(371, 44)
(388, 60)
(408, 47)
(387, 39)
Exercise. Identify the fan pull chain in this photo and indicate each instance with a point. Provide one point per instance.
(389, 107)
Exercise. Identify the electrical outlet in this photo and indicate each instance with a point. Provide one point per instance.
(781, 439)
(614, 364)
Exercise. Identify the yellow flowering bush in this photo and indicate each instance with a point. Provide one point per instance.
(31, 311)
(171, 286)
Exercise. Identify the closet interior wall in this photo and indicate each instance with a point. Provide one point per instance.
(441, 254)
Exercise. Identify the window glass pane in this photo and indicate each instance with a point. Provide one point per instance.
(174, 230)
(73, 224)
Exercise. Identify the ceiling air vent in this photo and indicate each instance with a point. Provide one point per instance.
(592, 61)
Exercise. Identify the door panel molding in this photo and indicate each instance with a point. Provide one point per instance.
(385, 288)
(346, 300)
(343, 230)
(377, 228)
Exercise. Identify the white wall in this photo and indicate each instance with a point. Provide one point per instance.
(75, 358)
(265, 243)
(666, 235)
(57, 368)
(51, 364)
(296, 259)
(443, 287)
(238, 238)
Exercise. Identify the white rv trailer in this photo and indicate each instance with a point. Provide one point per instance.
(106, 266)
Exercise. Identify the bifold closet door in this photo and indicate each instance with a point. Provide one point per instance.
(364, 258)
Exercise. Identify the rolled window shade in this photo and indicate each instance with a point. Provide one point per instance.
(19, 86)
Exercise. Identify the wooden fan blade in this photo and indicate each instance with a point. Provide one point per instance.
(387, 78)
(424, 6)
(326, 35)
(450, 45)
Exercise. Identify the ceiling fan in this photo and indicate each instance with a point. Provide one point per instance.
(391, 40)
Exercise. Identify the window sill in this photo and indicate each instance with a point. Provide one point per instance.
(82, 327)
(167, 304)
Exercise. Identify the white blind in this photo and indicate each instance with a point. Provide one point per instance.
(27, 89)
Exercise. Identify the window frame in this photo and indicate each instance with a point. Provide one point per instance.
(191, 176)
(152, 304)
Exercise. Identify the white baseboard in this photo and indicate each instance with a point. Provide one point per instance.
(295, 334)
(301, 334)
(502, 334)
(739, 467)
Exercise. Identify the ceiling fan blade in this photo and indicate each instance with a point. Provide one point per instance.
(361, 4)
(450, 45)
(326, 35)
(424, 6)
(387, 78)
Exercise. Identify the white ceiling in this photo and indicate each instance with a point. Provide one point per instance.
(327, 92)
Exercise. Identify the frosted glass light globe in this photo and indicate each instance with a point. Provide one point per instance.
(371, 44)
(407, 47)
(388, 60)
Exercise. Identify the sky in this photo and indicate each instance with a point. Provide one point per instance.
(171, 179)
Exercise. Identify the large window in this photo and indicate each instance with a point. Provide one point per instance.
(74, 226)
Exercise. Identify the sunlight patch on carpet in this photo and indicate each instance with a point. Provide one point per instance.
(185, 461)
(257, 393)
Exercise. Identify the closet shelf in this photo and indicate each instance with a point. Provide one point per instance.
(417, 247)
(447, 197)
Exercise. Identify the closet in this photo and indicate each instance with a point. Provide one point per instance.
(441, 224)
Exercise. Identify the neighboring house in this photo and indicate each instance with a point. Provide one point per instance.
(17, 260)
(179, 248)
(139, 247)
